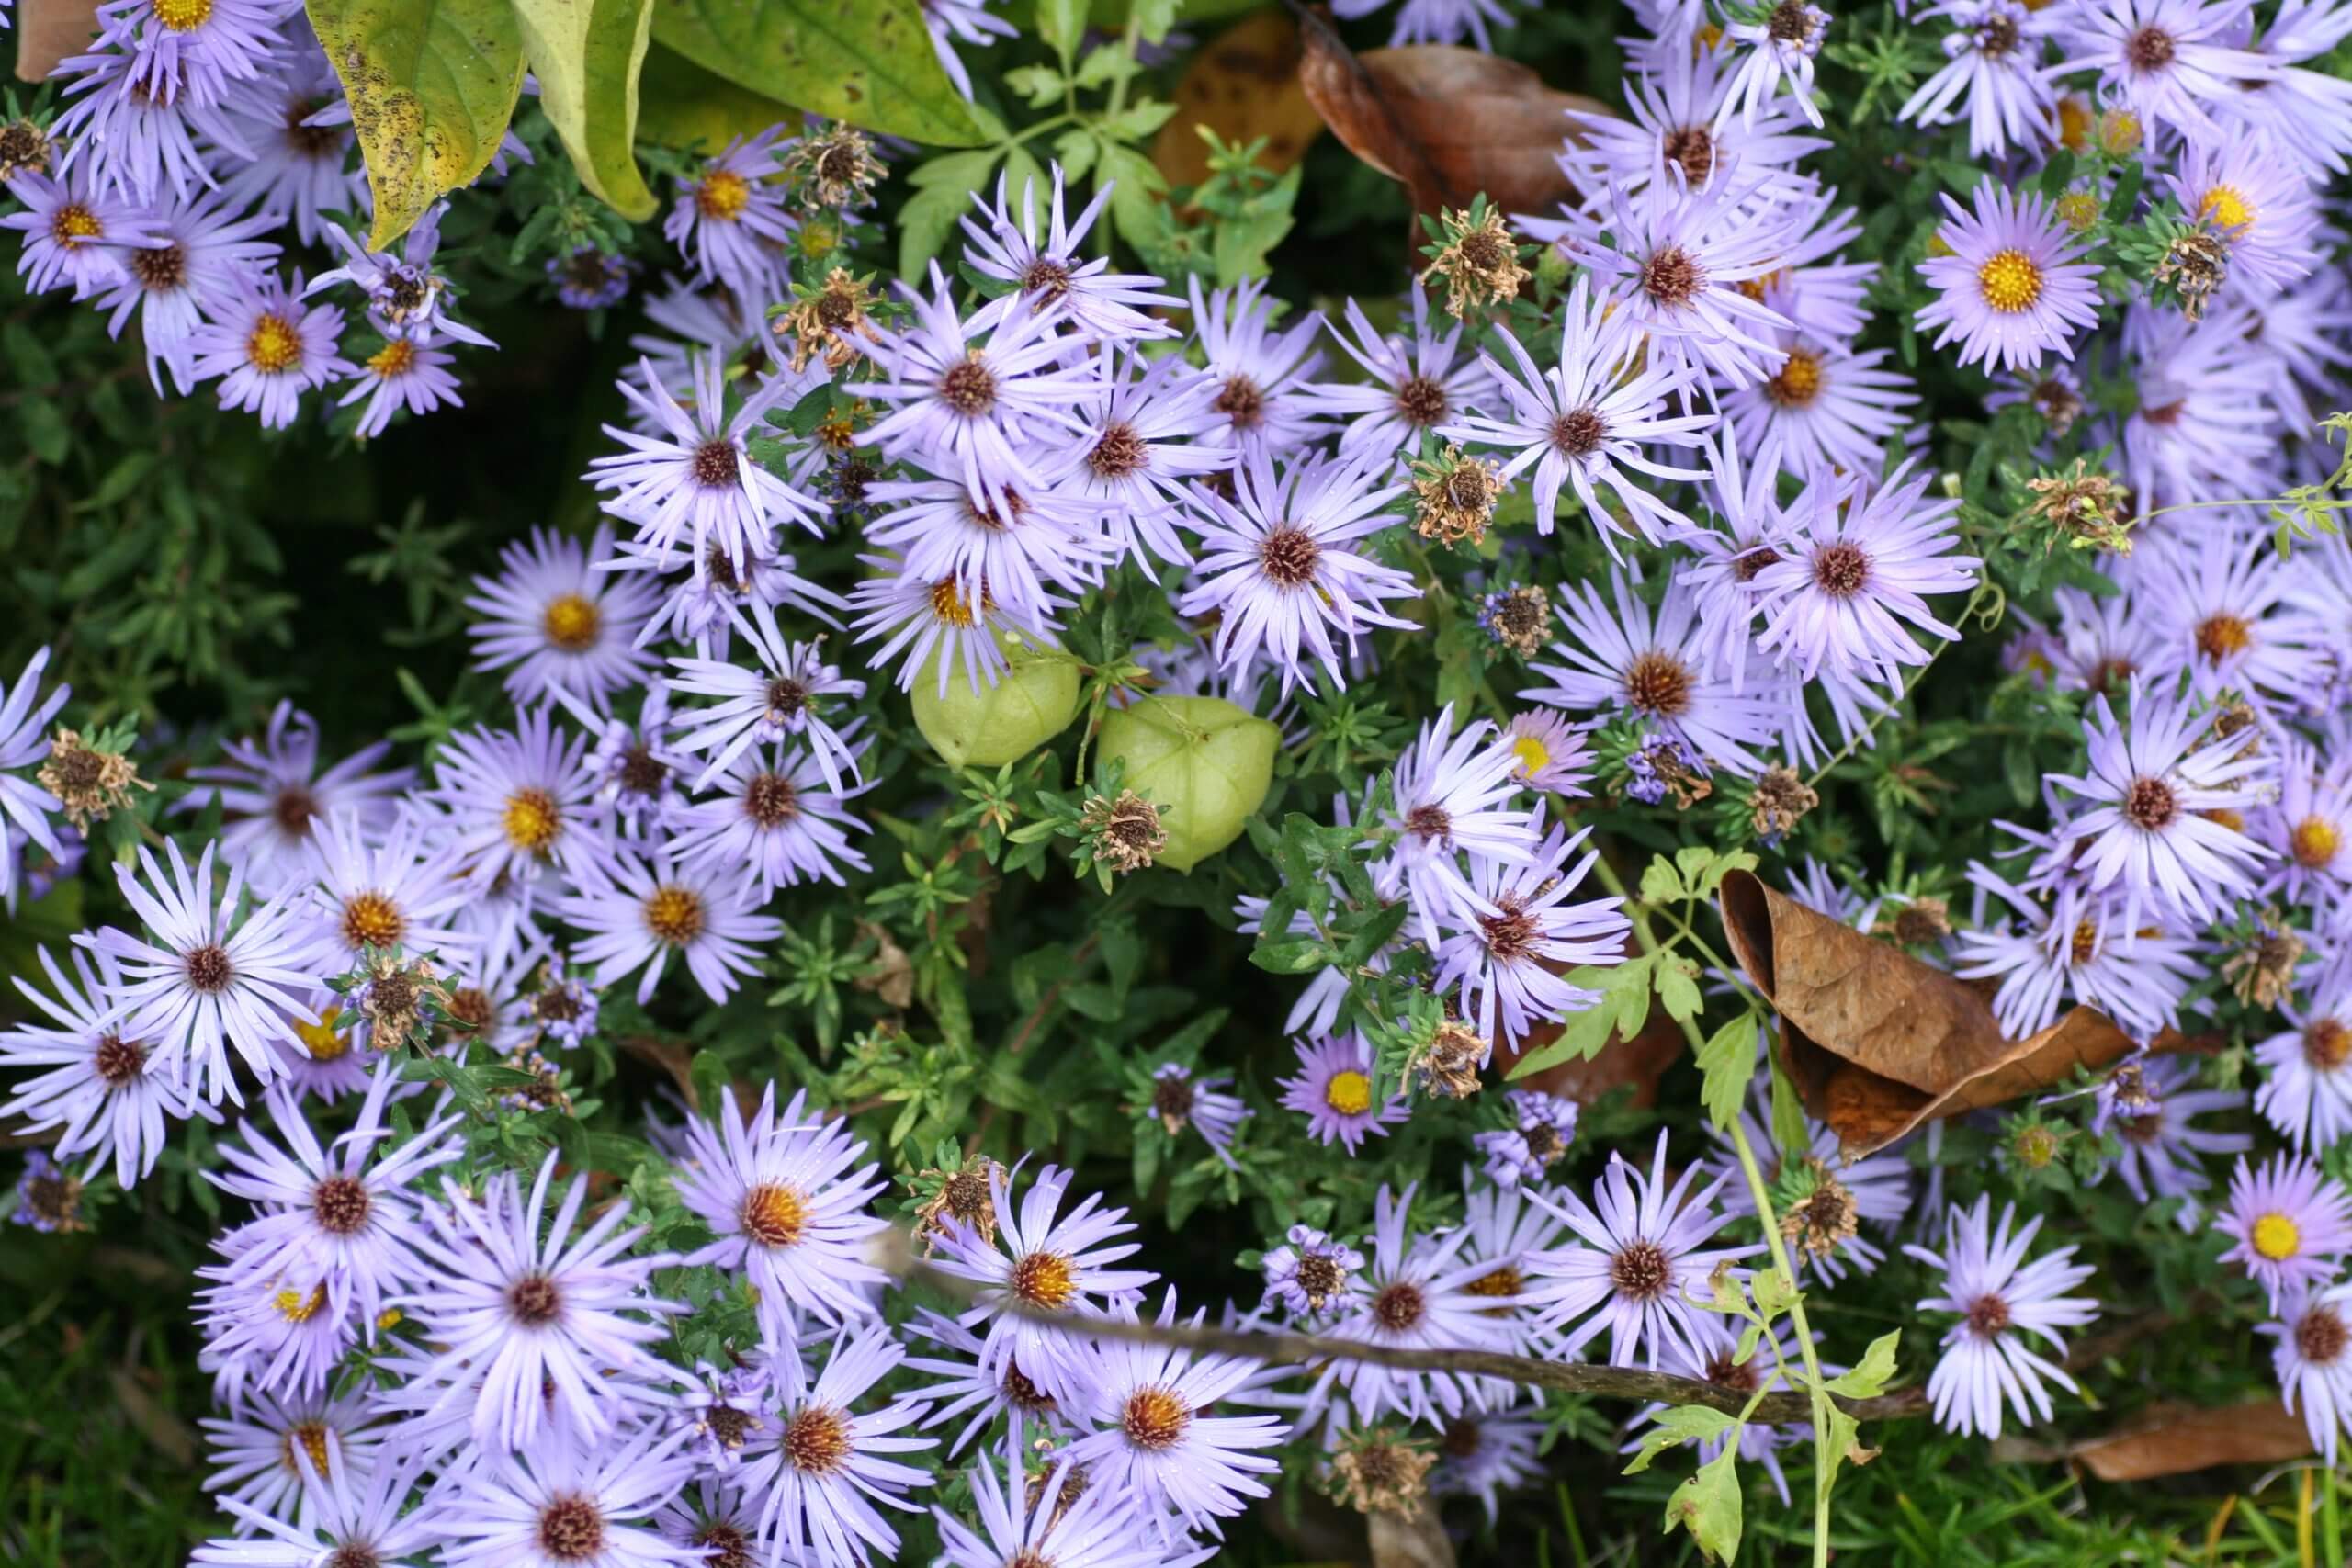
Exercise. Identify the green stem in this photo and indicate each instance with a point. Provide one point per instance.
(1818, 1395)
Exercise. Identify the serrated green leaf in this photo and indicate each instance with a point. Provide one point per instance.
(432, 84)
(1661, 882)
(1774, 1292)
(1790, 1134)
(1868, 1379)
(586, 55)
(1580, 1039)
(870, 63)
(1629, 995)
(1061, 23)
(1728, 1062)
(1677, 1424)
(1708, 1506)
(1678, 987)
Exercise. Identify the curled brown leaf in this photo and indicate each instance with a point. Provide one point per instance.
(1244, 84)
(2176, 1440)
(49, 30)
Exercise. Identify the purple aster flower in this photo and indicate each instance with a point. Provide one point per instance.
(1543, 1125)
(203, 260)
(1049, 1262)
(1588, 421)
(1262, 375)
(1101, 1529)
(2208, 418)
(1281, 569)
(2162, 1150)
(1411, 388)
(556, 626)
(401, 375)
(932, 623)
(1644, 1254)
(1509, 952)
(1156, 1440)
(638, 912)
(1552, 757)
(97, 1085)
(407, 301)
(131, 141)
(1506, 1229)
(1671, 103)
(1048, 275)
(639, 770)
(557, 1506)
(209, 977)
(696, 472)
(2309, 826)
(1483, 1454)
(731, 219)
(250, 1449)
(1010, 550)
(1850, 576)
(301, 165)
(75, 236)
(2013, 287)
(2255, 203)
(268, 1335)
(517, 800)
(1417, 1295)
(1987, 1360)
(1781, 43)
(815, 1482)
(2236, 622)
(969, 21)
(1313, 1276)
(382, 892)
(2311, 1366)
(531, 1331)
(1148, 436)
(2307, 1087)
(777, 814)
(715, 1523)
(268, 350)
(2076, 947)
(1181, 1100)
(968, 1385)
(2291, 1224)
(590, 278)
(1993, 73)
(1826, 409)
(197, 51)
(2166, 61)
(271, 790)
(1455, 795)
(25, 807)
(1654, 665)
(49, 1197)
(973, 411)
(354, 1516)
(1333, 1091)
(2151, 787)
(790, 1212)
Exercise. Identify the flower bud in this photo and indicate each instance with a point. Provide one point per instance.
(1031, 703)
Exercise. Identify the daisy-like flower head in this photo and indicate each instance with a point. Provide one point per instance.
(2000, 1300)
(1148, 436)
(1456, 796)
(1510, 949)
(2014, 287)
(2256, 202)
(1506, 1229)
(250, 1451)
(1850, 576)
(1047, 1262)
(2306, 1091)
(1993, 73)
(401, 375)
(1554, 758)
(531, 1325)
(271, 791)
(716, 1522)
(1282, 568)
(1588, 423)
(1334, 1091)
(731, 219)
(205, 256)
(814, 1483)
(1670, 103)
(559, 1505)
(971, 1389)
(1100, 1530)
(640, 911)
(268, 350)
(1416, 1294)
(1411, 388)
(692, 482)
(25, 807)
(98, 1086)
(775, 813)
(2163, 1151)
(1827, 409)
(1782, 44)
(298, 127)
(406, 300)
(49, 1197)
(556, 626)
(1050, 275)
(2313, 1363)
(2152, 787)
(130, 141)
(394, 893)
(1654, 665)
(1181, 1098)
(932, 623)
(354, 1516)
(1312, 1275)
(1012, 550)
(2209, 413)
(1156, 1438)
(2236, 625)
(1543, 1125)
(2290, 1223)
(197, 49)
(2309, 826)
(2075, 946)
(2172, 64)
(518, 800)
(75, 236)
(790, 1212)
(208, 977)
(1643, 1252)
(1483, 1454)
(1261, 374)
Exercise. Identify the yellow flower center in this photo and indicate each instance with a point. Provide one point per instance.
(183, 15)
(531, 820)
(2073, 124)
(722, 195)
(1349, 1093)
(275, 347)
(2218, 636)
(2118, 132)
(296, 1307)
(388, 1319)
(2276, 1237)
(395, 358)
(2009, 281)
(2315, 842)
(320, 1039)
(1532, 754)
(2228, 207)
(948, 604)
(72, 223)
(312, 1436)
(572, 623)
(2079, 209)
(1799, 381)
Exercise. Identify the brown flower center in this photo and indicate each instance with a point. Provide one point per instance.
(1642, 1272)
(533, 1301)
(1241, 401)
(164, 267)
(1840, 570)
(773, 1216)
(2150, 803)
(1399, 1306)
(1047, 277)
(1422, 400)
(1288, 556)
(2327, 1044)
(1579, 432)
(726, 1546)
(1673, 277)
(1510, 935)
(2321, 1335)
(1658, 682)
(716, 465)
(208, 969)
(2150, 49)
(674, 915)
(968, 388)
(1319, 1279)
(1693, 147)
(572, 1529)
(771, 800)
(817, 1440)
(340, 1204)
(1987, 1317)
(2218, 636)
(117, 1061)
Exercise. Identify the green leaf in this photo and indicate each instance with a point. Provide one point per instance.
(681, 104)
(1788, 1132)
(432, 84)
(1061, 23)
(1869, 1378)
(1728, 1062)
(1677, 1424)
(1708, 1506)
(707, 1072)
(1628, 991)
(1299, 955)
(1581, 1039)
(1774, 1293)
(1661, 882)
(1677, 986)
(586, 55)
(870, 63)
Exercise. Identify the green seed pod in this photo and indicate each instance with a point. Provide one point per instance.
(1034, 701)
(1205, 762)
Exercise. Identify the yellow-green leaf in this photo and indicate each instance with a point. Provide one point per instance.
(432, 84)
(681, 104)
(866, 61)
(586, 54)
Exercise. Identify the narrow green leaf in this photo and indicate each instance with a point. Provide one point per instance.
(586, 55)
(707, 1072)
(432, 84)
(870, 63)
(1677, 1424)
(1708, 1506)
(1728, 1062)
(1294, 956)
(1869, 1378)
(1790, 1134)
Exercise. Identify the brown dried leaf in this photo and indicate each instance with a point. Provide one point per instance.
(1878, 1042)
(2173, 1440)
(1243, 85)
(1447, 122)
(49, 30)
